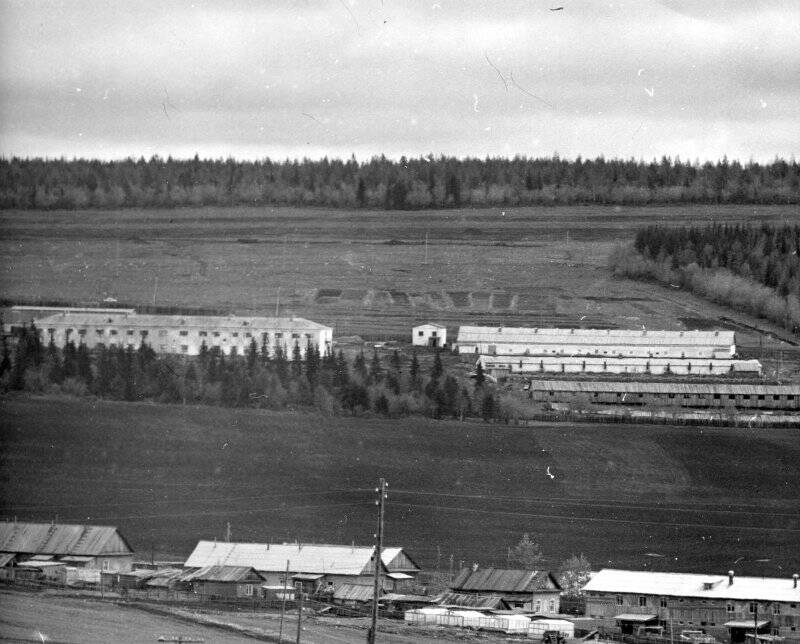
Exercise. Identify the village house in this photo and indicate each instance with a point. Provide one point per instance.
(87, 547)
(724, 606)
(319, 569)
(225, 582)
(535, 590)
(429, 335)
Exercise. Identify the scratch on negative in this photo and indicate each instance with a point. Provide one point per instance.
(525, 91)
(494, 67)
(352, 15)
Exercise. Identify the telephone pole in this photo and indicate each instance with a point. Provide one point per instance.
(381, 491)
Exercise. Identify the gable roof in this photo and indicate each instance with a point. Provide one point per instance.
(353, 592)
(62, 539)
(633, 337)
(302, 558)
(674, 584)
(504, 581)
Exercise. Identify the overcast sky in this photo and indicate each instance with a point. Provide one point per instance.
(642, 78)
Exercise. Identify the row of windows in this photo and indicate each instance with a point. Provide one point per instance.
(729, 607)
(164, 332)
(698, 396)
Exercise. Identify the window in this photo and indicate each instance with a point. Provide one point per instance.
(663, 602)
(51, 331)
(731, 397)
(761, 396)
(216, 334)
(162, 333)
(642, 601)
(730, 608)
(184, 348)
(776, 630)
(106, 564)
(82, 332)
(619, 600)
(295, 336)
(537, 607)
(752, 608)
(716, 396)
(552, 605)
(144, 333)
(248, 590)
(203, 334)
(113, 332)
(248, 335)
(776, 609)
(235, 334)
(184, 333)
(129, 332)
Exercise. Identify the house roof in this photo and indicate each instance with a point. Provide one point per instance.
(504, 581)
(6, 557)
(471, 600)
(302, 558)
(674, 584)
(222, 573)
(136, 321)
(512, 335)
(61, 539)
(353, 592)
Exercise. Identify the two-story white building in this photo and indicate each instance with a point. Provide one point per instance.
(727, 607)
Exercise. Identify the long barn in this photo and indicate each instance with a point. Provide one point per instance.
(596, 343)
(697, 395)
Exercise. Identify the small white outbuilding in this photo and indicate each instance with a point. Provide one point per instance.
(429, 335)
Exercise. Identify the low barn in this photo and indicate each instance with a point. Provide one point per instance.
(536, 590)
(225, 582)
(695, 395)
(80, 546)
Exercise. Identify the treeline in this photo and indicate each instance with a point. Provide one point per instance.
(258, 379)
(756, 269)
(425, 182)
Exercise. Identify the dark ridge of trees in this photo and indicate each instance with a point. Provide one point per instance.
(756, 268)
(425, 182)
(260, 377)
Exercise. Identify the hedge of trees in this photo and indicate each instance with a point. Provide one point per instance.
(756, 269)
(425, 182)
(261, 378)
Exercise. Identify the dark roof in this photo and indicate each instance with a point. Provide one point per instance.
(224, 573)
(61, 539)
(471, 600)
(503, 581)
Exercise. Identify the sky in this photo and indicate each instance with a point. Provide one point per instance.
(697, 79)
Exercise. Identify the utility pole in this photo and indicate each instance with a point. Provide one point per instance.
(155, 290)
(426, 249)
(228, 532)
(299, 587)
(283, 601)
(377, 563)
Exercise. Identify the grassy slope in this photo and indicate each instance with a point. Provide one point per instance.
(171, 475)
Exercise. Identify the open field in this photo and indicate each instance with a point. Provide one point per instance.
(666, 497)
(366, 272)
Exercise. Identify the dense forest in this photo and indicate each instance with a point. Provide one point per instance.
(261, 378)
(753, 268)
(426, 182)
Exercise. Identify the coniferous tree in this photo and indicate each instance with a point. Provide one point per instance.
(84, 365)
(360, 366)
(375, 369)
(437, 369)
(297, 361)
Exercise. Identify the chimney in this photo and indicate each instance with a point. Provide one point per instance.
(474, 567)
(730, 578)
(794, 578)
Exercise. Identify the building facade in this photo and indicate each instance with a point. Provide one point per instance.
(184, 334)
(724, 606)
(596, 343)
(429, 335)
(667, 394)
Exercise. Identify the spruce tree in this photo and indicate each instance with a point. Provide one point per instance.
(437, 369)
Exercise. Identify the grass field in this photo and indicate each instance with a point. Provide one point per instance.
(170, 475)
(369, 273)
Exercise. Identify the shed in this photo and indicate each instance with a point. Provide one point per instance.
(535, 588)
(353, 595)
(429, 335)
(225, 582)
(48, 572)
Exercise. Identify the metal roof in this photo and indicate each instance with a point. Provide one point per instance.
(746, 623)
(401, 598)
(510, 335)
(149, 321)
(302, 558)
(635, 617)
(674, 584)
(221, 573)
(353, 592)
(61, 539)
(471, 600)
(602, 386)
(505, 581)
